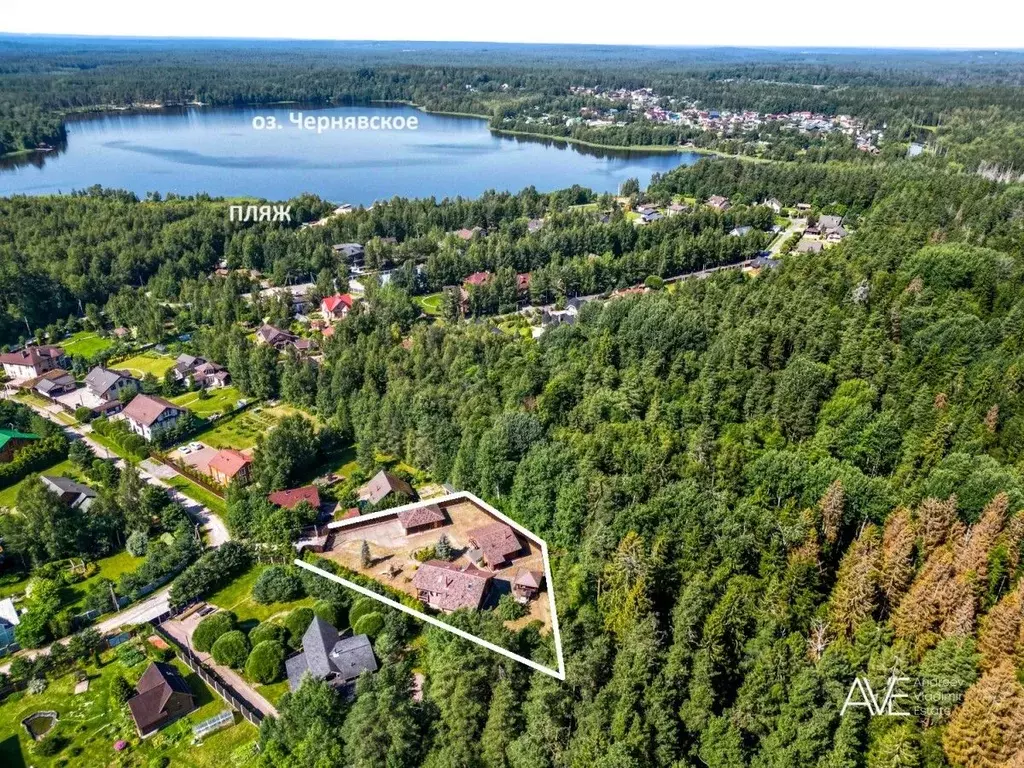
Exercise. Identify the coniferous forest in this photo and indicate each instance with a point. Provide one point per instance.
(755, 489)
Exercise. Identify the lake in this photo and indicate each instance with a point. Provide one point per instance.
(218, 151)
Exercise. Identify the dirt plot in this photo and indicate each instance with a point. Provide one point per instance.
(393, 563)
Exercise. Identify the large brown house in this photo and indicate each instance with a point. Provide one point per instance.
(162, 697)
(447, 587)
(495, 543)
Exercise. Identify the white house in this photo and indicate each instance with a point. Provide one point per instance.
(148, 415)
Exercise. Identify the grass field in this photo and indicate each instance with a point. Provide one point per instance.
(64, 468)
(147, 362)
(236, 597)
(430, 304)
(91, 722)
(216, 403)
(86, 344)
(197, 493)
(73, 596)
(242, 430)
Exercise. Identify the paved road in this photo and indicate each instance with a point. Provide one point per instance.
(795, 225)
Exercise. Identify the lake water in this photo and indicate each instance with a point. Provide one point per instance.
(218, 151)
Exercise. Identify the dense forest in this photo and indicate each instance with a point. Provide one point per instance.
(968, 105)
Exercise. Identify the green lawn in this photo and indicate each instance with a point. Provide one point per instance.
(242, 430)
(92, 722)
(86, 344)
(196, 492)
(236, 597)
(147, 362)
(65, 468)
(215, 403)
(430, 304)
(341, 462)
(73, 595)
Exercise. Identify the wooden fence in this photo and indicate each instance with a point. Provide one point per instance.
(211, 678)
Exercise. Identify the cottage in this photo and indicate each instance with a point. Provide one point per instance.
(523, 283)
(31, 361)
(211, 376)
(740, 231)
(676, 208)
(291, 498)
(774, 204)
(719, 203)
(477, 278)
(162, 696)
(354, 252)
(148, 415)
(106, 384)
(495, 543)
(534, 225)
(447, 587)
(335, 307)
(12, 441)
(469, 234)
(826, 223)
(422, 518)
(527, 584)
(810, 246)
(229, 466)
(53, 383)
(382, 485)
(69, 492)
(326, 656)
(275, 337)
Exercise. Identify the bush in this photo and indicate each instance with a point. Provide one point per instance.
(360, 608)
(37, 685)
(297, 623)
(212, 627)
(509, 609)
(329, 612)
(267, 630)
(277, 584)
(50, 746)
(212, 570)
(120, 689)
(425, 554)
(370, 624)
(137, 544)
(266, 662)
(231, 649)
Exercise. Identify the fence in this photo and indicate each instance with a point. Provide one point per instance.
(188, 472)
(212, 679)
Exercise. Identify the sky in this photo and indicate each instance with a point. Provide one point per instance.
(867, 23)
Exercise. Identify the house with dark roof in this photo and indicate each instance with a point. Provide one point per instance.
(328, 656)
(495, 544)
(382, 485)
(32, 361)
(162, 696)
(70, 493)
(448, 587)
(423, 518)
(354, 252)
(108, 385)
(740, 231)
(275, 337)
(12, 441)
(9, 619)
(53, 383)
(148, 415)
(827, 222)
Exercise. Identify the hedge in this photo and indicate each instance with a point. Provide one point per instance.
(231, 649)
(36, 456)
(266, 662)
(267, 630)
(211, 628)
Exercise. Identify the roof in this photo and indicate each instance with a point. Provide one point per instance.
(8, 613)
(477, 278)
(101, 379)
(317, 643)
(349, 249)
(62, 485)
(146, 409)
(452, 586)
(382, 484)
(413, 518)
(32, 355)
(291, 497)
(829, 222)
(353, 655)
(273, 335)
(155, 688)
(229, 462)
(6, 435)
(324, 653)
(496, 540)
(527, 578)
(331, 303)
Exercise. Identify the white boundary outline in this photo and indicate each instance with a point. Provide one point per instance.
(450, 498)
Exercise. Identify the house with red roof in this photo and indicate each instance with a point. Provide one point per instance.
(335, 307)
(290, 498)
(31, 361)
(477, 278)
(422, 518)
(495, 544)
(447, 587)
(230, 465)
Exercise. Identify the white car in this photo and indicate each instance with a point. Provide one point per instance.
(196, 446)
(185, 450)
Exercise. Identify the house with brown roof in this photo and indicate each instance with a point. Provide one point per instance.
(149, 415)
(527, 584)
(423, 518)
(162, 696)
(53, 383)
(31, 361)
(447, 587)
(382, 485)
(289, 499)
(719, 203)
(275, 337)
(495, 544)
(230, 465)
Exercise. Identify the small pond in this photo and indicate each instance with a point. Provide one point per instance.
(39, 724)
